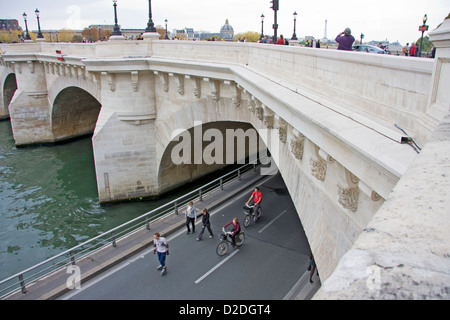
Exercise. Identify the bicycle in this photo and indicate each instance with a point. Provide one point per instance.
(224, 243)
(250, 213)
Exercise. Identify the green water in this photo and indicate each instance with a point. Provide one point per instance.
(49, 201)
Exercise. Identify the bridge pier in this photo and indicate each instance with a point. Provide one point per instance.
(29, 108)
(124, 138)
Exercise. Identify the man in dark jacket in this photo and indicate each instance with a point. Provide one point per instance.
(205, 224)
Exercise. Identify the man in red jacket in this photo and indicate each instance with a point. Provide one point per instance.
(412, 50)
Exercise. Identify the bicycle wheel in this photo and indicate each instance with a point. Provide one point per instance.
(247, 221)
(222, 248)
(240, 239)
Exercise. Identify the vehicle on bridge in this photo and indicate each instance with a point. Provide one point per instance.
(368, 48)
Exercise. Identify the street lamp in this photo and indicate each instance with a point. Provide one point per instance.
(150, 24)
(116, 31)
(294, 36)
(423, 28)
(275, 7)
(40, 36)
(27, 37)
(166, 37)
(262, 26)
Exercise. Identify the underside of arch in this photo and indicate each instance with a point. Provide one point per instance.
(206, 148)
(74, 113)
(9, 87)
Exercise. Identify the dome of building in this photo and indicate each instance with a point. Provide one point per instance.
(227, 29)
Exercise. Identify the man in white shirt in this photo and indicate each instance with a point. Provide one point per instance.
(191, 217)
(161, 247)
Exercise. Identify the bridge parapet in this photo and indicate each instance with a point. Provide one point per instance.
(386, 89)
(403, 251)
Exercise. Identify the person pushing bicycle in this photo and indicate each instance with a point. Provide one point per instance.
(257, 197)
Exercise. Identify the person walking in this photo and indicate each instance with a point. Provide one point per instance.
(413, 50)
(191, 217)
(205, 224)
(281, 40)
(345, 40)
(312, 267)
(161, 247)
(406, 50)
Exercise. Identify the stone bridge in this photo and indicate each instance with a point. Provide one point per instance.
(328, 118)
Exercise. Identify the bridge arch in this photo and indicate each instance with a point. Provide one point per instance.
(9, 88)
(205, 148)
(74, 113)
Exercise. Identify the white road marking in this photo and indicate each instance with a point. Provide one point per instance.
(270, 223)
(215, 267)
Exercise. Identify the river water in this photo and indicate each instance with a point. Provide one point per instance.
(49, 201)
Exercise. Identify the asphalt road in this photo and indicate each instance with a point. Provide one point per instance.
(273, 258)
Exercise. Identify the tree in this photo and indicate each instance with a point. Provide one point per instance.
(161, 31)
(65, 35)
(427, 44)
(213, 38)
(96, 34)
(10, 36)
(77, 38)
(250, 36)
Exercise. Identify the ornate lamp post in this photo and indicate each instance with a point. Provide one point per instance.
(167, 36)
(27, 37)
(116, 31)
(294, 36)
(275, 7)
(150, 24)
(262, 26)
(40, 36)
(423, 28)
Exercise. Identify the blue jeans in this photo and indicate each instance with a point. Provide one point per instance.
(162, 258)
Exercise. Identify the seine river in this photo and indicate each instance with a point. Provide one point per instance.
(49, 201)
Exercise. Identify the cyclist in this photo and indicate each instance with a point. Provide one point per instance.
(257, 197)
(235, 231)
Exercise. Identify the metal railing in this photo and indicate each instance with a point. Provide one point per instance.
(21, 280)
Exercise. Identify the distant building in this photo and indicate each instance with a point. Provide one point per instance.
(9, 24)
(227, 31)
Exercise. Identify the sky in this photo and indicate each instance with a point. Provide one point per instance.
(376, 19)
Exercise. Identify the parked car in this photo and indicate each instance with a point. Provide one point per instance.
(368, 48)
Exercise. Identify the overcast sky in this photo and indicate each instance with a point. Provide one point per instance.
(377, 19)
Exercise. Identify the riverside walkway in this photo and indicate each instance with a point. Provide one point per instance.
(126, 271)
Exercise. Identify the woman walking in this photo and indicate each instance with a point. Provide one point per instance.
(205, 224)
